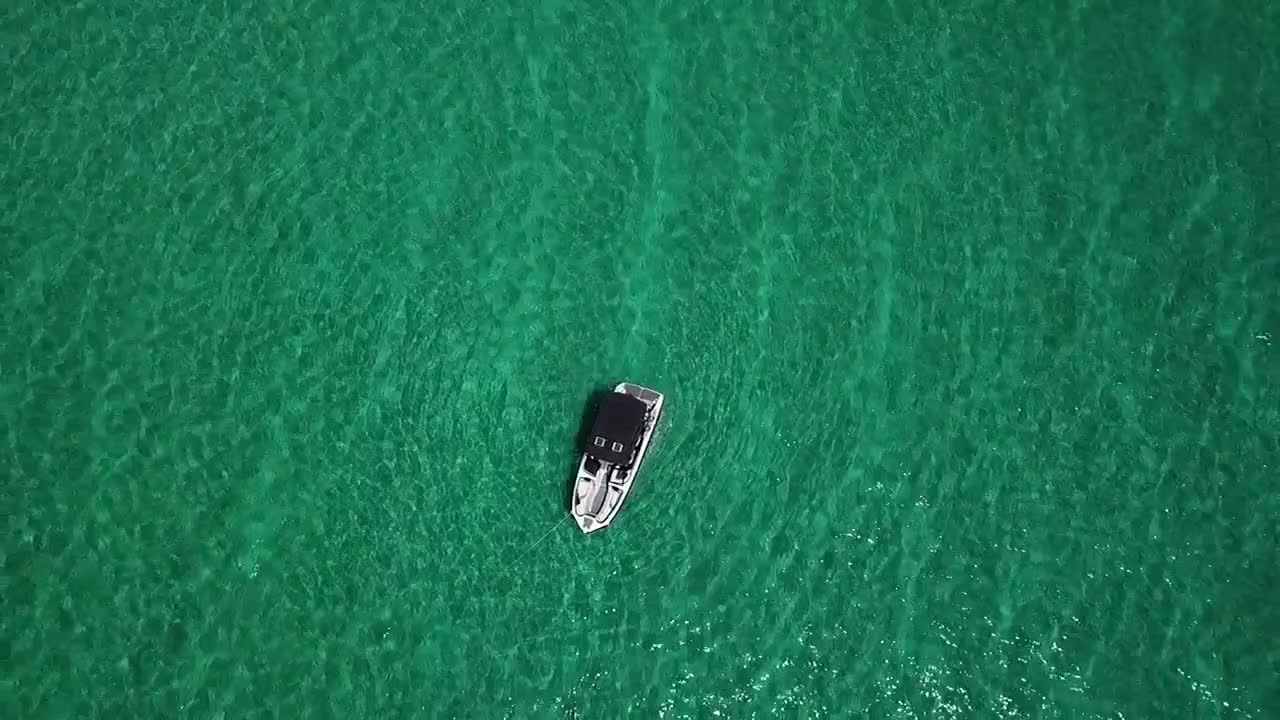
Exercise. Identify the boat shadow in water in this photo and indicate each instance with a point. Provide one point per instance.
(580, 440)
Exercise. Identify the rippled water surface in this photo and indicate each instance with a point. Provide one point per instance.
(967, 314)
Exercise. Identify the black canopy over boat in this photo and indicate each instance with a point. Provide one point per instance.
(619, 423)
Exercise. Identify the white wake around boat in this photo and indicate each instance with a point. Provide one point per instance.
(615, 449)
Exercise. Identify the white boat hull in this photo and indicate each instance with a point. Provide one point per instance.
(598, 495)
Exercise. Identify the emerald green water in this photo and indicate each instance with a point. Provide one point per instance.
(967, 314)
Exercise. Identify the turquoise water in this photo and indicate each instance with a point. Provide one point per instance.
(967, 314)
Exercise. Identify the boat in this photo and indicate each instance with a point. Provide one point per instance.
(620, 437)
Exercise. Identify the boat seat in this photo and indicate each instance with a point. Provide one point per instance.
(592, 465)
(597, 500)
